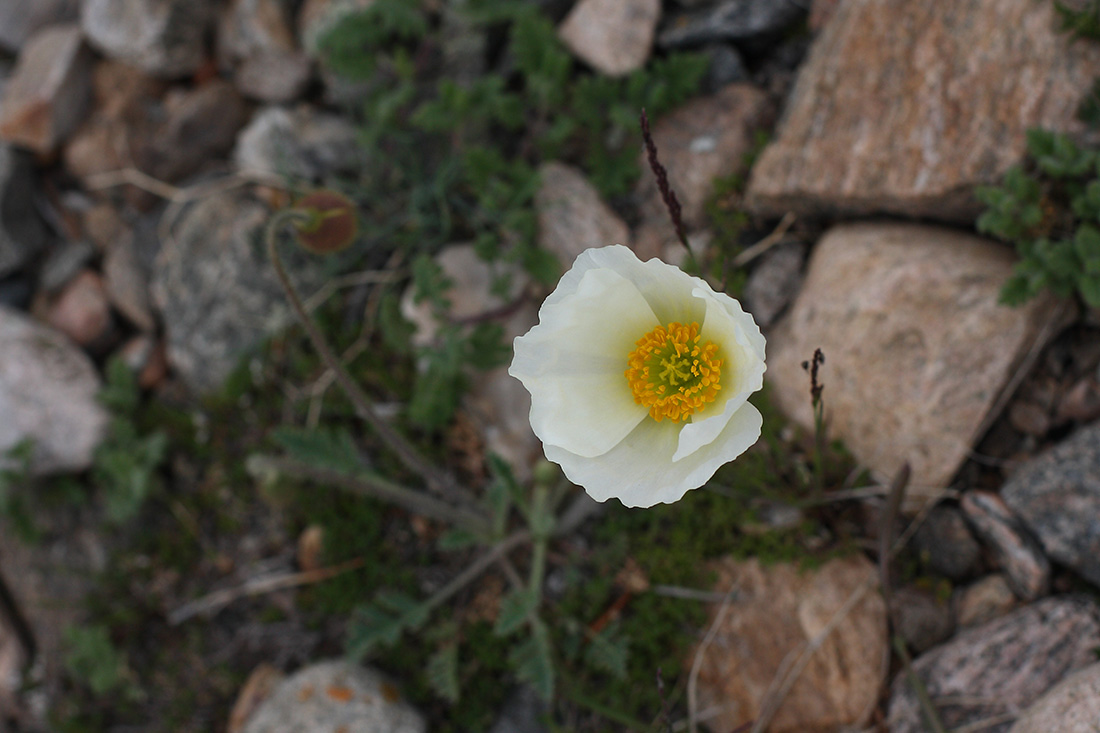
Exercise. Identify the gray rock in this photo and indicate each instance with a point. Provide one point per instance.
(274, 77)
(1071, 706)
(19, 19)
(163, 37)
(726, 66)
(523, 713)
(248, 27)
(63, 263)
(774, 282)
(1019, 555)
(48, 393)
(331, 696)
(127, 284)
(1001, 667)
(612, 36)
(16, 292)
(732, 20)
(919, 618)
(195, 125)
(302, 143)
(50, 581)
(22, 231)
(216, 289)
(947, 544)
(1057, 494)
(49, 91)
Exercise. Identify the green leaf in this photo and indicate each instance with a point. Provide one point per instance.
(329, 448)
(1015, 291)
(608, 651)
(457, 539)
(121, 393)
(384, 621)
(485, 347)
(1089, 286)
(349, 48)
(430, 283)
(542, 265)
(442, 672)
(439, 386)
(515, 610)
(93, 660)
(533, 661)
(1086, 243)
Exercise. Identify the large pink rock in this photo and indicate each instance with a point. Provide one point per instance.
(776, 610)
(917, 347)
(904, 106)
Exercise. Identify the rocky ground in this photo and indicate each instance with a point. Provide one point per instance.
(151, 583)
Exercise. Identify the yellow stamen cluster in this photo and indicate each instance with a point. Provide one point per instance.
(672, 374)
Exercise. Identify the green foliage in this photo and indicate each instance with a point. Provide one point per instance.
(126, 464)
(383, 621)
(125, 468)
(93, 660)
(15, 474)
(1081, 20)
(328, 448)
(516, 609)
(442, 672)
(349, 46)
(455, 160)
(608, 651)
(1050, 213)
(533, 660)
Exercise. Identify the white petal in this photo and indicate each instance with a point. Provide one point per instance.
(640, 471)
(666, 288)
(742, 347)
(573, 364)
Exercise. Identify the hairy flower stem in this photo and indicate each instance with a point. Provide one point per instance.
(542, 524)
(436, 480)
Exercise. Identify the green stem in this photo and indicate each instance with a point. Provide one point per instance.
(542, 525)
(376, 487)
(819, 446)
(931, 717)
(435, 479)
(477, 567)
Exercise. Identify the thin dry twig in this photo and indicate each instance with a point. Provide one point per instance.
(697, 662)
(776, 236)
(211, 603)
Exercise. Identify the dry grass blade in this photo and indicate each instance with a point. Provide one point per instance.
(792, 667)
(697, 662)
(211, 603)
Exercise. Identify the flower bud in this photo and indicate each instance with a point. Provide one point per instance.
(329, 224)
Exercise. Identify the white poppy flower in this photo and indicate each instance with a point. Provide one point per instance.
(639, 376)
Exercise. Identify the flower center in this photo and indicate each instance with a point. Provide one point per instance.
(672, 374)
